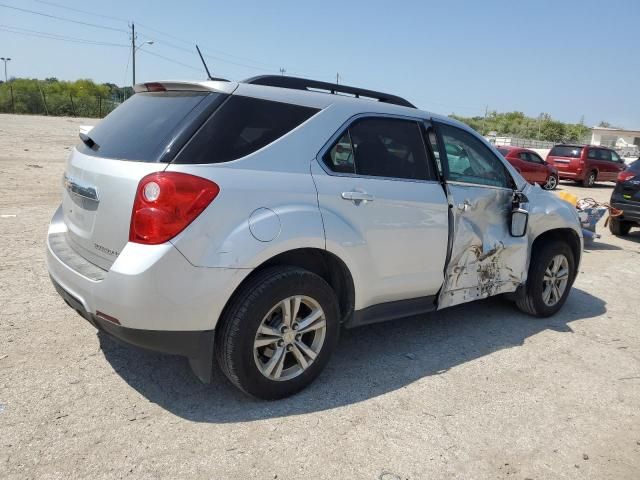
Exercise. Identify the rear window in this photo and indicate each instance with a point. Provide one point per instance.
(241, 126)
(566, 151)
(504, 151)
(634, 167)
(143, 127)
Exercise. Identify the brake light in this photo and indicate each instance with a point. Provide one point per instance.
(166, 203)
(625, 175)
(155, 87)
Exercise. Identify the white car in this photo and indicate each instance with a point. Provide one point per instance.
(252, 221)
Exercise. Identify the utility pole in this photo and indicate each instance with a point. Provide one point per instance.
(133, 52)
(282, 71)
(486, 111)
(337, 78)
(5, 60)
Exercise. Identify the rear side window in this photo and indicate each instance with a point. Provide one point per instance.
(566, 151)
(381, 147)
(143, 127)
(241, 126)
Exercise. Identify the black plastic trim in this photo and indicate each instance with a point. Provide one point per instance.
(197, 345)
(392, 310)
(296, 83)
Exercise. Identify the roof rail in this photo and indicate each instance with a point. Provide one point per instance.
(315, 85)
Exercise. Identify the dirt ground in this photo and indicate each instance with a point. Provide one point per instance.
(477, 391)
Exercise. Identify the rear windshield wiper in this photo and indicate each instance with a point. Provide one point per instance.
(88, 141)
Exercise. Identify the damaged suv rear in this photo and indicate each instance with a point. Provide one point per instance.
(251, 221)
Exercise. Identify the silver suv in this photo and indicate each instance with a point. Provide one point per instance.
(252, 221)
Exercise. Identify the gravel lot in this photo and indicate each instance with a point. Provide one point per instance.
(477, 391)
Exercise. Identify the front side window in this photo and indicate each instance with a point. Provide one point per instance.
(381, 147)
(470, 161)
(241, 126)
(615, 157)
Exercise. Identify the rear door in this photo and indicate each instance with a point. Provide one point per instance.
(383, 208)
(103, 171)
(484, 259)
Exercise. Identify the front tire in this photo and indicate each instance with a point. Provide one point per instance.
(278, 332)
(551, 275)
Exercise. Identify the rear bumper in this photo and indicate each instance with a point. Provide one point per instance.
(148, 287)
(630, 211)
(569, 175)
(194, 344)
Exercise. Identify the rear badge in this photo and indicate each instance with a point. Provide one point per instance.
(108, 251)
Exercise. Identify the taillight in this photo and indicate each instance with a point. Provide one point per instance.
(625, 175)
(165, 203)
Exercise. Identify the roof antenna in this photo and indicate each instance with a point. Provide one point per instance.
(204, 63)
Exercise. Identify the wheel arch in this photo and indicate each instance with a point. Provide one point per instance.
(567, 235)
(326, 265)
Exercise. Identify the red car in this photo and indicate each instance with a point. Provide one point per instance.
(531, 166)
(586, 163)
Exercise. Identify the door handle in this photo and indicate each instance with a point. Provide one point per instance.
(465, 206)
(357, 197)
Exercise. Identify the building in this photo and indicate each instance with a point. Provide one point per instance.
(626, 142)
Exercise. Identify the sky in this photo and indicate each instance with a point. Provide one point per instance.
(572, 59)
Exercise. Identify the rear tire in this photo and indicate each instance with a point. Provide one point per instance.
(256, 316)
(540, 298)
(590, 180)
(619, 227)
(551, 183)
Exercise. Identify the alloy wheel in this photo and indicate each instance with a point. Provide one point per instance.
(289, 338)
(555, 281)
(552, 182)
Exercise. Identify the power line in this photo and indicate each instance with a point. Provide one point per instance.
(93, 14)
(52, 36)
(171, 60)
(62, 18)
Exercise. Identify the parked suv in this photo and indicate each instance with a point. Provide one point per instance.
(586, 163)
(626, 197)
(252, 221)
(531, 166)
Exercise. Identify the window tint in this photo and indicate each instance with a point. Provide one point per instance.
(340, 158)
(524, 156)
(469, 160)
(566, 151)
(144, 126)
(593, 154)
(605, 155)
(504, 151)
(381, 147)
(241, 126)
(535, 158)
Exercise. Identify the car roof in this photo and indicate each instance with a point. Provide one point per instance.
(307, 98)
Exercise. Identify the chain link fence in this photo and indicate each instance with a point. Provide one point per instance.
(41, 102)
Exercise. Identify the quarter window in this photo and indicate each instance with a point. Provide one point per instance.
(381, 147)
(470, 161)
(241, 126)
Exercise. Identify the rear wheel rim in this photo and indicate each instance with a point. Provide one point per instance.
(552, 182)
(555, 280)
(289, 338)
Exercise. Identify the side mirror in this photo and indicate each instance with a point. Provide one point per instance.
(519, 222)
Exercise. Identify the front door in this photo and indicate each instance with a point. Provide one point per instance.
(485, 259)
(383, 209)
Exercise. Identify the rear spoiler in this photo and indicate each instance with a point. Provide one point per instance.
(171, 85)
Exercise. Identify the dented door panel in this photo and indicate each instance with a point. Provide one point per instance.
(485, 259)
